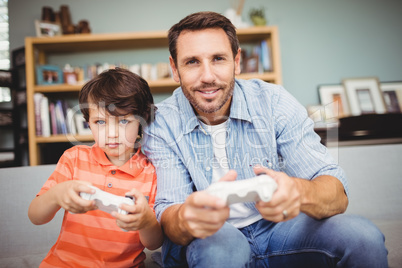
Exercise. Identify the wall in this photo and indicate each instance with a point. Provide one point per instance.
(321, 41)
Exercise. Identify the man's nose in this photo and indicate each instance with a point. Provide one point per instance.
(207, 73)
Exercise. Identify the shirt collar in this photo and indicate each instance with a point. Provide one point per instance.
(238, 108)
(134, 166)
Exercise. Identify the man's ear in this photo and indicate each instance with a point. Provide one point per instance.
(174, 70)
(237, 62)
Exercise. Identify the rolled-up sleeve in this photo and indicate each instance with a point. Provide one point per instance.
(299, 146)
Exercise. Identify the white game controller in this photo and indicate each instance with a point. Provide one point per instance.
(254, 189)
(108, 202)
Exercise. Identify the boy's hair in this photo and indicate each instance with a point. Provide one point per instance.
(201, 21)
(120, 92)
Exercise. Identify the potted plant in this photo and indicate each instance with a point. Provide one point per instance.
(257, 16)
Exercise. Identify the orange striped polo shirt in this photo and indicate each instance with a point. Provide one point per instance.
(93, 239)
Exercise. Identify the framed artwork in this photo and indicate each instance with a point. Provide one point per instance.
(392, 94)
(364, 96)
(48, 75)
(333, 98)
(47, 29)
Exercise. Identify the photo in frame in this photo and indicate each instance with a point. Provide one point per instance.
(364, 96)
(81, 125)
(333, 98)
(392, 93)
(48, 75)
(47, 29)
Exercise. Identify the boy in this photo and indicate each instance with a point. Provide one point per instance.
(113, 104)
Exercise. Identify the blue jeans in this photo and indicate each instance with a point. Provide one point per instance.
(339, 241)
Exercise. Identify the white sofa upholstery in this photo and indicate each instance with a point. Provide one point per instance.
(375, 182)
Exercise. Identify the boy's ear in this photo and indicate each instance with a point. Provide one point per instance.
(175, 73)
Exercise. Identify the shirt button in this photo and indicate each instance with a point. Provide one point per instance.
(208, 168)
(113, 172)
(270, 164)
(109, 185)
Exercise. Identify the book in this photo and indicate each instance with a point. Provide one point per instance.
(265, 56)
(61, 121)
(38, 121)
(53, 120)
(44, 116)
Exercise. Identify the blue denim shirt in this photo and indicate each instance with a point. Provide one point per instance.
(266, 126)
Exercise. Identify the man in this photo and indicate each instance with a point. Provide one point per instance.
(216, 127)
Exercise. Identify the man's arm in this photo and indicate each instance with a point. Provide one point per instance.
(200, 216)
(319, 198)
(322, 197)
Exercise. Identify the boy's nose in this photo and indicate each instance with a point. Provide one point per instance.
(113, 130)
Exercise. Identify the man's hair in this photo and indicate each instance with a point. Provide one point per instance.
(120, 92)
(201, 21)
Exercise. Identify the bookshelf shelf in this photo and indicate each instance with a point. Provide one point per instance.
(38, 50)
(64, 138)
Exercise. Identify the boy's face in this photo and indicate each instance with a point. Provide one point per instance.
(116, 135)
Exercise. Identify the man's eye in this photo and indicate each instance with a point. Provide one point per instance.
(124, 121)
(192, 62)
(100, 122)
(219, 58)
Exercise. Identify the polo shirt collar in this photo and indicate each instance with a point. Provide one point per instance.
(134, 166)
(238, 109)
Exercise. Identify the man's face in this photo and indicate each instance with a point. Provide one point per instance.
(206, 70)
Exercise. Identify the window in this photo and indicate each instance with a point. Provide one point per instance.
(4, 43)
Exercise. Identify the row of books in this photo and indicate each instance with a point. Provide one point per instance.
(74, 75)
(56, 117)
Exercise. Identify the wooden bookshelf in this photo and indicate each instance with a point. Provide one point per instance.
(37, 50)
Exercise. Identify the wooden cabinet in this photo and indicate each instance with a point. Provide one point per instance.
(38, 50)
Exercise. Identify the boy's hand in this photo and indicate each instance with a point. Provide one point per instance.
(140, 214)
(68, 196)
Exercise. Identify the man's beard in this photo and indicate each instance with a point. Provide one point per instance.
(206, 108)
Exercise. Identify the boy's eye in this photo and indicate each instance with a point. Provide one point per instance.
(100, 122)
(124, 121)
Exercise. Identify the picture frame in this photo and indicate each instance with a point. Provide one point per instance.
(392, 93)
(333, 98)
(47, 29)
(82, 125)
(70, 78)
(364, 96)
(49, 75)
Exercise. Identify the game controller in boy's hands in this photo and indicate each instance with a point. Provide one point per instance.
(261, 187)
(108, 202)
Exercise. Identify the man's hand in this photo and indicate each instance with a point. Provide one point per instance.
(286, 201)
(200, 216)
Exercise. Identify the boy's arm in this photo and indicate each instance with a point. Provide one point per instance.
(66, 195)
(151, 236)
(141, 218)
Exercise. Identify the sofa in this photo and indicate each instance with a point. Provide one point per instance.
(375, 183)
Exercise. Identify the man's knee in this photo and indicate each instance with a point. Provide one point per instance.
(363, 242)
(226, 248)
